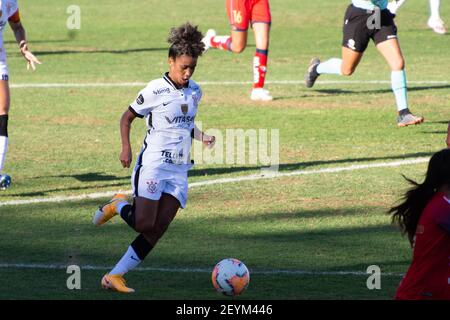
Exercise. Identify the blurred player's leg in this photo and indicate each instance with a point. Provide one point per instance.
(345, 66)
(4, 109)
(435, 22)
(391, 51)
(261, 31)
(235, 43)
(238, 15)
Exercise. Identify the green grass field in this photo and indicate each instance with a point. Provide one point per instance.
(306, 236)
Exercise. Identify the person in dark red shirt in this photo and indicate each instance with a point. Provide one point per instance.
(424, 216)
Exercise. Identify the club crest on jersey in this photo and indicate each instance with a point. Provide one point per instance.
(184, 108)
(152, 186)
(140, 99)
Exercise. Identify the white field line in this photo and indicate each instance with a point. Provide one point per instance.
(267, 175)
(213, 83)
(194, 270)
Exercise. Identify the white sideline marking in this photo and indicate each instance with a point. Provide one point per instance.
(195, 270)
(268, 175)
(213, 83)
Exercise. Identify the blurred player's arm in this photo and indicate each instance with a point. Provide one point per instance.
(19, 33)
(207, 140)
(394, 5)
(448, 135)
(125, 156)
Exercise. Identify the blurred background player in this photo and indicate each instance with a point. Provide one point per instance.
(160, 185)
(9, 13)
(434, 21)
(424, 216)
(357, 33)
(241, 14)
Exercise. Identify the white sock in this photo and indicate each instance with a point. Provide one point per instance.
(128, 262)
(120, 206)
(3, 149)
(434, 9)
(332, 66)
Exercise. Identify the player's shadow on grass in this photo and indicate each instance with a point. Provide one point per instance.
(40, 41)
(304, 165)
(51, 191)
(84, 177)
(87, 177)
(377, 91)
(88, 51)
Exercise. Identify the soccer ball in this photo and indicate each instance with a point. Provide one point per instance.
(230, 277)
(5, 181)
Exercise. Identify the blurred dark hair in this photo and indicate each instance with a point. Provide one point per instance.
(407, 213)
(185, 40)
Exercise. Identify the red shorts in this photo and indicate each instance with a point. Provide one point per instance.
(243, 12)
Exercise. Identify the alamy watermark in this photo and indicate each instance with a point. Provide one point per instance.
(74, 280)
(374, 280)
(374, 21)
(74, 20)
(256, 147)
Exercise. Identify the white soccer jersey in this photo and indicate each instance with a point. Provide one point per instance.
(8, 8)
(170, 114)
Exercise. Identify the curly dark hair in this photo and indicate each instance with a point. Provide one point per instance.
(185, 40)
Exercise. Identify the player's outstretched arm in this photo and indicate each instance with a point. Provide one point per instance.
(394, 5)
(125, 156)
(19, 33)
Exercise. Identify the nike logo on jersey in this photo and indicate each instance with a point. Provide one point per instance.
(166, 103)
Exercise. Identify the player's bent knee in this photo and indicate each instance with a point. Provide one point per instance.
(237, 48)
(347, 72)
(398, 65)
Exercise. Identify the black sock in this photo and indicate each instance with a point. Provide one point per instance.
(404, 111)
(127, 214)
(4, 125)
(141, 246)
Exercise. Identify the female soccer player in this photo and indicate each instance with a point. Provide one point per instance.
(424, 216)
(9, 12)
(159, 180)
(434, 21)
(358, 30)
(242, 13)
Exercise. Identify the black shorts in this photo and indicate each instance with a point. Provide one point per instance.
(360, 26)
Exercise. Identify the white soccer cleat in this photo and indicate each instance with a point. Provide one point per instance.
(437, 25)
(207, 38)
(260, 94)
